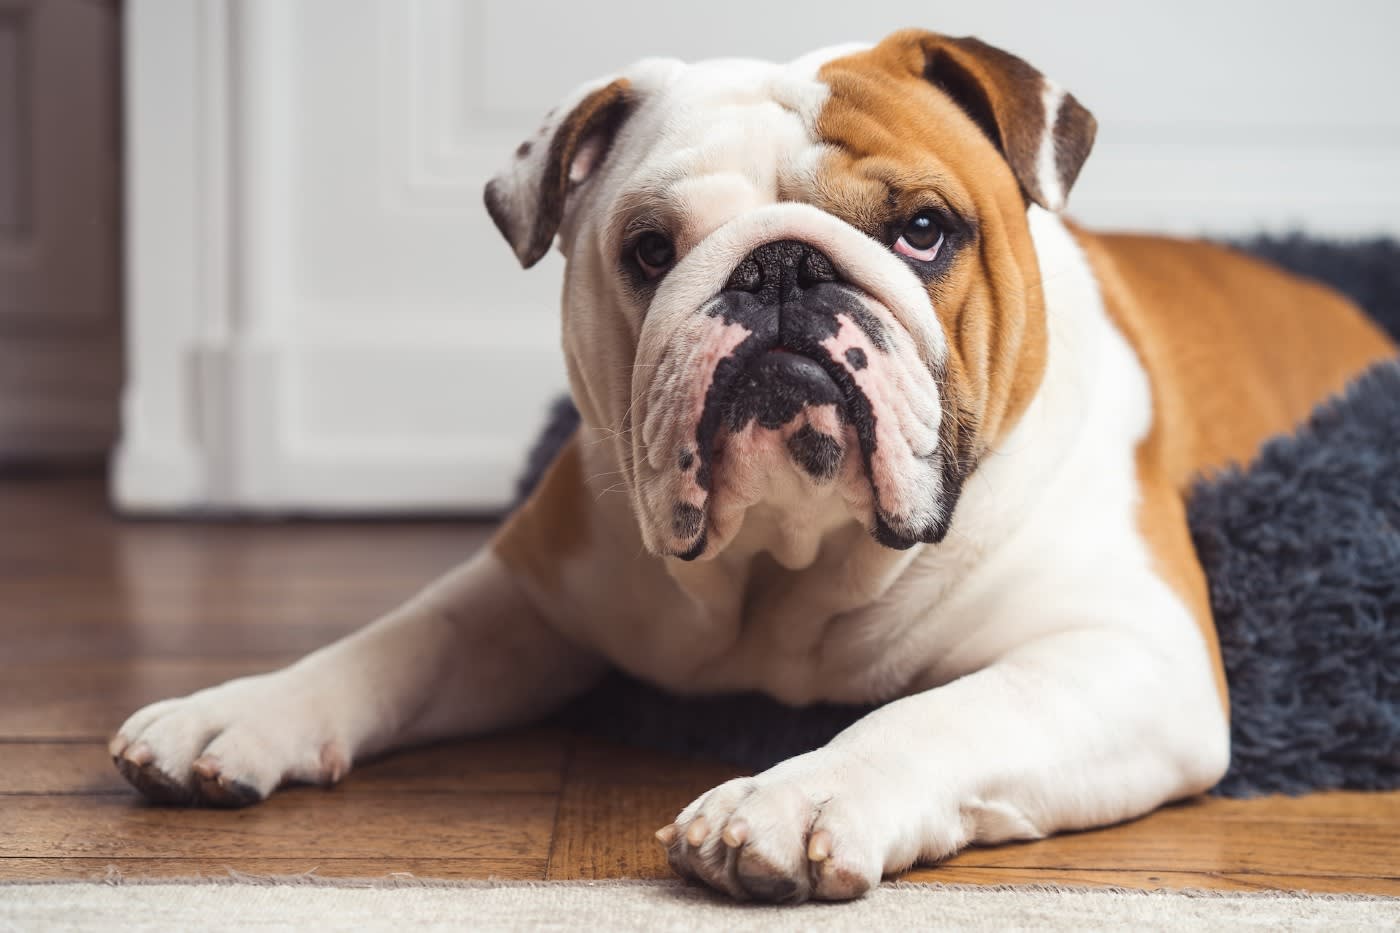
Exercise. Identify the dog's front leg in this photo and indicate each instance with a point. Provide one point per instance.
(469, 654)
(1078, 729)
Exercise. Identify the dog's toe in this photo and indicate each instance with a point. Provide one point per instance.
(780, 841)
(229, 746)
(155, 785)
(219, 789)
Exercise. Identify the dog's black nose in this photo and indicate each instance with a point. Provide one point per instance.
(780, 271)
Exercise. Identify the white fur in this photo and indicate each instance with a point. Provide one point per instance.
(1047, 174)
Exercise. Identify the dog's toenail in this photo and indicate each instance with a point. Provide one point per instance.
(697, 832)
(819, 847)
(667, 834)
(140, 754)
(206, 767)
(736, 833)
(334, 763)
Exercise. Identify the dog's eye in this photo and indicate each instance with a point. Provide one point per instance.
(655, 252)
(920, 238)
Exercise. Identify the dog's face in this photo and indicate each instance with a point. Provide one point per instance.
(799, 284)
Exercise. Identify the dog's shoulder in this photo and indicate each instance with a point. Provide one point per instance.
(552, 526)
(1236, 350)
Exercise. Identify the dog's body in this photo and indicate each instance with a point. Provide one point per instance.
(825, 459)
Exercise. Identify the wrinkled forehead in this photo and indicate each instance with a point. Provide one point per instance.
(720, 137)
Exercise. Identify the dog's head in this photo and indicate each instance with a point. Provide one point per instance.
(800, 283)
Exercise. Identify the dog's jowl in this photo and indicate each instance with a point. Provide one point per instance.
(889, 430)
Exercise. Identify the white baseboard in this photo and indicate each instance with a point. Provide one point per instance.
(148, 479)
(337, 429)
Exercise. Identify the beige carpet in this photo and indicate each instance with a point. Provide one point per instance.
(653, 906)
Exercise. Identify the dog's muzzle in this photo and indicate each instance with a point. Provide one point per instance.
(812, 349)
(790, 300)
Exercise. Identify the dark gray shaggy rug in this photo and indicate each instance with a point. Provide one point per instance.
(1302, 551)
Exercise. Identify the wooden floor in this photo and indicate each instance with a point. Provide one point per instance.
(98, 617)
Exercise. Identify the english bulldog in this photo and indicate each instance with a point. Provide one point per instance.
(863, 420)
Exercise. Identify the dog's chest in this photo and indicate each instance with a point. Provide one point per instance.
(860, 624)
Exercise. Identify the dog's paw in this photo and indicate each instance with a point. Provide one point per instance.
(228, 746)
(787, 835)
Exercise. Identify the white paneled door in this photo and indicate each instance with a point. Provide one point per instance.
(322, 317)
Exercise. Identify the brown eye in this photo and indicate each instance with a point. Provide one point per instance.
(920, 237)
(655, 252)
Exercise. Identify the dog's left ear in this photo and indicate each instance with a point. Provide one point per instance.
(529, 198)
(1043, 133)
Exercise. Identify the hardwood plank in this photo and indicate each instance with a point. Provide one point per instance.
(522, 762)
(51, 640)
(98, 869)
(53, 768)
(181, 558)
(77, 583)
(1167, 841)
(1149, 881)
(89, 700)
(614, 800)
(597, 761)
(1368, 807)
(606, 831)
(308, 823)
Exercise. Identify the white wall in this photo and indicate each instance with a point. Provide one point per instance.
(322, 318)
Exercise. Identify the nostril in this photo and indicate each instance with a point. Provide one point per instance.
(781, 266)
(815, 268)
(746, 277)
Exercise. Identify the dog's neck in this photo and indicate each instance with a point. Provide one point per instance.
(791, 523)
(828, 561)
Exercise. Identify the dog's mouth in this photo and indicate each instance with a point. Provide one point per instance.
(784, 415)
(777, 385)
(780, 387)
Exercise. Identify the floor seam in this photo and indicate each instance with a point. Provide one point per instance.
(565, 773)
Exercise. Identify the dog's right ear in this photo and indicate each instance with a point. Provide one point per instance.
(530, 198)
(1044, 133)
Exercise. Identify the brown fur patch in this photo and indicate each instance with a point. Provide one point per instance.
(901, 144)
(598, 116)
(552, 525)
(1236, 351)
(1005, 98)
